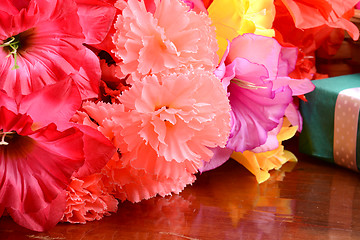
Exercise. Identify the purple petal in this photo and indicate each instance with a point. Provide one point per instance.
(221, 155)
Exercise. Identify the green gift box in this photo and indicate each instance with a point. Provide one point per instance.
(331, 121)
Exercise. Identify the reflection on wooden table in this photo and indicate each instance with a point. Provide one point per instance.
(315, 200)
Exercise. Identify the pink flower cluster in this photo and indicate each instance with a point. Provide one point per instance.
(176, 109)
(82, 125)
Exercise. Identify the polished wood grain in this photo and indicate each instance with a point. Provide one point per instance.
(307, 200)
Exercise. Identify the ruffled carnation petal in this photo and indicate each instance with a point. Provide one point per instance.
(88, 200)
(149, 43)
(163, 129)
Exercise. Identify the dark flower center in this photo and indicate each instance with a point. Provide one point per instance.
(14, 45)
(14, 145)
(5, 136)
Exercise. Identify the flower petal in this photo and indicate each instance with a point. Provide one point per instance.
(278, 60)
(96, 18)
(298, 86)
(221, 155)
(97, 151)
(43, 219)
(255, 113)
(45, 106)
(44, 58)
(36, 165)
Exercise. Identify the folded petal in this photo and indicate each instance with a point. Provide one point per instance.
(221, 155)
(97, 150)
(96, 17)
(298, 86)
(278, 60)
(45, 106)
(293, 114)
(255, 112)
(233, 18)
(43, 219)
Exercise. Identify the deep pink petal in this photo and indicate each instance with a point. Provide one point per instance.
(56, 103)
(20, 4)
(96, 18)
(244, 70)
(45, 218)
(1, 210)
(196, 5)
(36, 166)
(8, 102)
(9, 7)
(98, 150)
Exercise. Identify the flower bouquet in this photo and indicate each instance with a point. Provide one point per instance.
(105, 101)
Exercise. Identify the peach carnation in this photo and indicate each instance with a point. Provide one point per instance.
(171, 37)
(88, 200)
(163, 128)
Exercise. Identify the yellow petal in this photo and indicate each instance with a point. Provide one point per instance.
(260, 164)
(250, 162)
(234, 17)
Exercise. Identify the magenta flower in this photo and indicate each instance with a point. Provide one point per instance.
(42, 42)
(254, 70)
(40, 151)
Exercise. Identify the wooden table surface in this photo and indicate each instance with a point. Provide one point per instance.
(307, 200)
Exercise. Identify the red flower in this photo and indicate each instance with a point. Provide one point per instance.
(40, 151)
(42, 42)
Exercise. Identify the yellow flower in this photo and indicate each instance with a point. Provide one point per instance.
(260, 164)
(234, 17)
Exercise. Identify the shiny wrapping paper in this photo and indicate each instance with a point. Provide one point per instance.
(331, 121)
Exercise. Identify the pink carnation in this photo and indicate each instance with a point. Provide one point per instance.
(88, 200)
(163, 129)
(171, 37)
